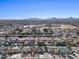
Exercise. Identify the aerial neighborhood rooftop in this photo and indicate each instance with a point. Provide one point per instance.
(51, 41)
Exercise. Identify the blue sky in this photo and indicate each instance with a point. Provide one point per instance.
(21, 9)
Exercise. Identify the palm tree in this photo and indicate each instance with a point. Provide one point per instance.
(4, 54)
(22, 47)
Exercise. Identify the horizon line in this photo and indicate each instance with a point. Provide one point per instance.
(36, 18)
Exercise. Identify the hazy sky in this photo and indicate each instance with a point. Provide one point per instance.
(38, 8)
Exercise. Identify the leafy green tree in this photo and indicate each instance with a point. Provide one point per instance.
(45, 30)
